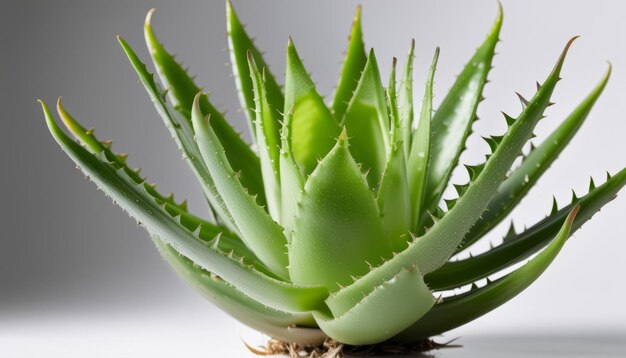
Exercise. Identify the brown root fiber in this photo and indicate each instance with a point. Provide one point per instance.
(334, 349)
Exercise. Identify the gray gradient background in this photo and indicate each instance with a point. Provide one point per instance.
(76, 272)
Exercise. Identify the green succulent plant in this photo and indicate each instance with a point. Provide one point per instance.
(335, 226)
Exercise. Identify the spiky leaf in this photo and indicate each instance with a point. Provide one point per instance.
(382, 312)
(419, 156)
(456, 311)
(260, 233)
(435, 247)
(517, 185)
(405, 100)
(239, 44)
(367, 123)
(517, 247)
(183, 133)
(453, 120)
(181, 90)
(267, 139)
(313, 127)
(338, 227)
(133, 197)
(352, 66)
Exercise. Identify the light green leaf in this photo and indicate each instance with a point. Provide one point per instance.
(291, 179)
(381, 312)
(435, 247)
(314, 129)
(517, 185)
(183, 134)
(353, 64)
(134, 198)
(458, 310)
(393, 194)
(367, 123)
(338, 227)
(206, 231)
(517, 247)
(418, 157)
(240, 43)
(452, 122)
(267, 140)
(181, 89)
(405, 100)
(257, 229)
(288, 327)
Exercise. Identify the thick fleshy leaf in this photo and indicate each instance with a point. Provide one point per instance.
(239, 44)
(417, 165)
(458, 310)
(183, 134)
(452, 122)
(291, 179)
(133, 197)
(367, 123)
(268, 141)
(338, 229)
(206, 231)
(517, 185)
(288, 327)
(517, 247)
(353, 64)
(313, 128)
(257, 229)
(393, 194)
(382, 312)
(435, 247)
(405, 101)
(181, 89)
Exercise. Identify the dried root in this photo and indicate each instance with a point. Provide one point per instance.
(333, 349)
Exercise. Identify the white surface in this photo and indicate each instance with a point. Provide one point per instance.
(211, 334)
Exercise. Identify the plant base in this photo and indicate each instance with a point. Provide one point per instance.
(333, 349)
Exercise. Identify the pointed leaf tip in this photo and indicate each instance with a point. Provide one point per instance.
(251, 61)
(148, 20)
(343, 137)
(572, 215)
(561, 60)
(357, 14)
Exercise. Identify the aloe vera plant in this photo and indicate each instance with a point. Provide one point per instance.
(335, 226)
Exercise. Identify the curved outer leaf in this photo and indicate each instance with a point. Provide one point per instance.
(516, 248)
(352, 67)
(181, 91)
(268, 142)
(313, 128)
(133, 197)
(367, 123)
(206, 231)
(381, 313)
(393, 194)
(405, 99)
(338, 227)
(432, 250)
(258, 231)
(517, 185)
(240, 43)
(453, 120)
(418, 157)
(291, 179)
(456, 311)
(183, 133)
(288, 327)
